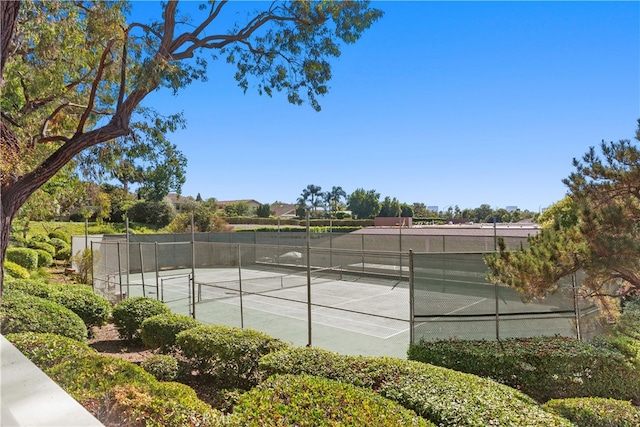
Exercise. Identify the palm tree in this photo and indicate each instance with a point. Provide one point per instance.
(335, 195)
(313, 194)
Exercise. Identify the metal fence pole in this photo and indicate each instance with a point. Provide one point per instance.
(576, 306)
(119, 268)
(240, 286)
(144, 293)
(411, 298)
(155, 252)
(193, 269)
(497, 291)
(308, 281)
(93, 279)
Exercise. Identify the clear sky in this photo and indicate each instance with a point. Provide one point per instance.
(444, 103)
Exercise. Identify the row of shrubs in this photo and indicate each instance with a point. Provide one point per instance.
(266, 380)
(543, 368)
(27, 255)
(230, 358)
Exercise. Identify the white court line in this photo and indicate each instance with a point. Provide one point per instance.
(347, 320)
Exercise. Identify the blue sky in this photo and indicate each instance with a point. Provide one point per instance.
(444, 103)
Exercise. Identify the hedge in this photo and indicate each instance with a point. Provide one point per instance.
(543, 367)
(162, 366)
(230, 355)
(59, 234)
(15, 270)
(596, 411)
(92, 308)
(21, 312)
(25, 257)
(36, 244)
(122, 393)
(441, 395)
(45, 259)
(160, 331)
(46, 350)
(308, 401)
(129, 314)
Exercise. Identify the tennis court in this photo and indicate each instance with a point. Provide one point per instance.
(349, 314)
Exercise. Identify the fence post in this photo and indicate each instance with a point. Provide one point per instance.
(144, 293)
(411, 298)
(240, 286)
(308, 233)
(93, 279)
(119, 268)
(497, 292)
(576, 306)
(155, 254)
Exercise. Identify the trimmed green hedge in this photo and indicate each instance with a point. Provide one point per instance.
(21, 312)
(543, 367)
(160, 331)
(45, 259)
(59, 234)
(122, 392)
(46, 350)
(129, 314)
(162, 366)
(441, 395)
(596, 411)
(25, 257)
(36, 244)
(14, 270)
(228, 354)
(308, 401)
(92, 308)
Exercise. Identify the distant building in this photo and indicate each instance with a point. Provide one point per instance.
(178, 201)
(511, 208)
(283, 210)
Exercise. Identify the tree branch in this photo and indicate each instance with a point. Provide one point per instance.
(94, 87)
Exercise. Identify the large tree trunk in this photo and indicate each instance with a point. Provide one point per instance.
(8, 18)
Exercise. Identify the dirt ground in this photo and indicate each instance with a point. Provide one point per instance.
(106, 341)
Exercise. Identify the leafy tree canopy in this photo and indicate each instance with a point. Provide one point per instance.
(94, 70)
(364, 204)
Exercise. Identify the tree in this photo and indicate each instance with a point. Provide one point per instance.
(334, 197)
(390, 208)
(364, 204)
(595, 229)
(78, 84)
(237, 209)
(263, 210)
(420, 210)
(313, 195)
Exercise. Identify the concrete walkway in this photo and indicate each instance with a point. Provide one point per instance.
(29, 398)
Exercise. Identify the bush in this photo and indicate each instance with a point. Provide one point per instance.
(93, 309)
(596, 411)
(159, 214)
(47, 350)
(441, 395)
(15, 270)
(61, 235)
(24, 257)
(59, 244)
(543, 367)
(166, 404)
(129, 314)
(37, 244)
(162, 366)
(228, 354)
(63, 254)
(21, 312)
(122, 393)
(94, 376)
(160, 331)
(312, 401)
(45, 259)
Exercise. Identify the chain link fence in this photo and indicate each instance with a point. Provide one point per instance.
(351, 293)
